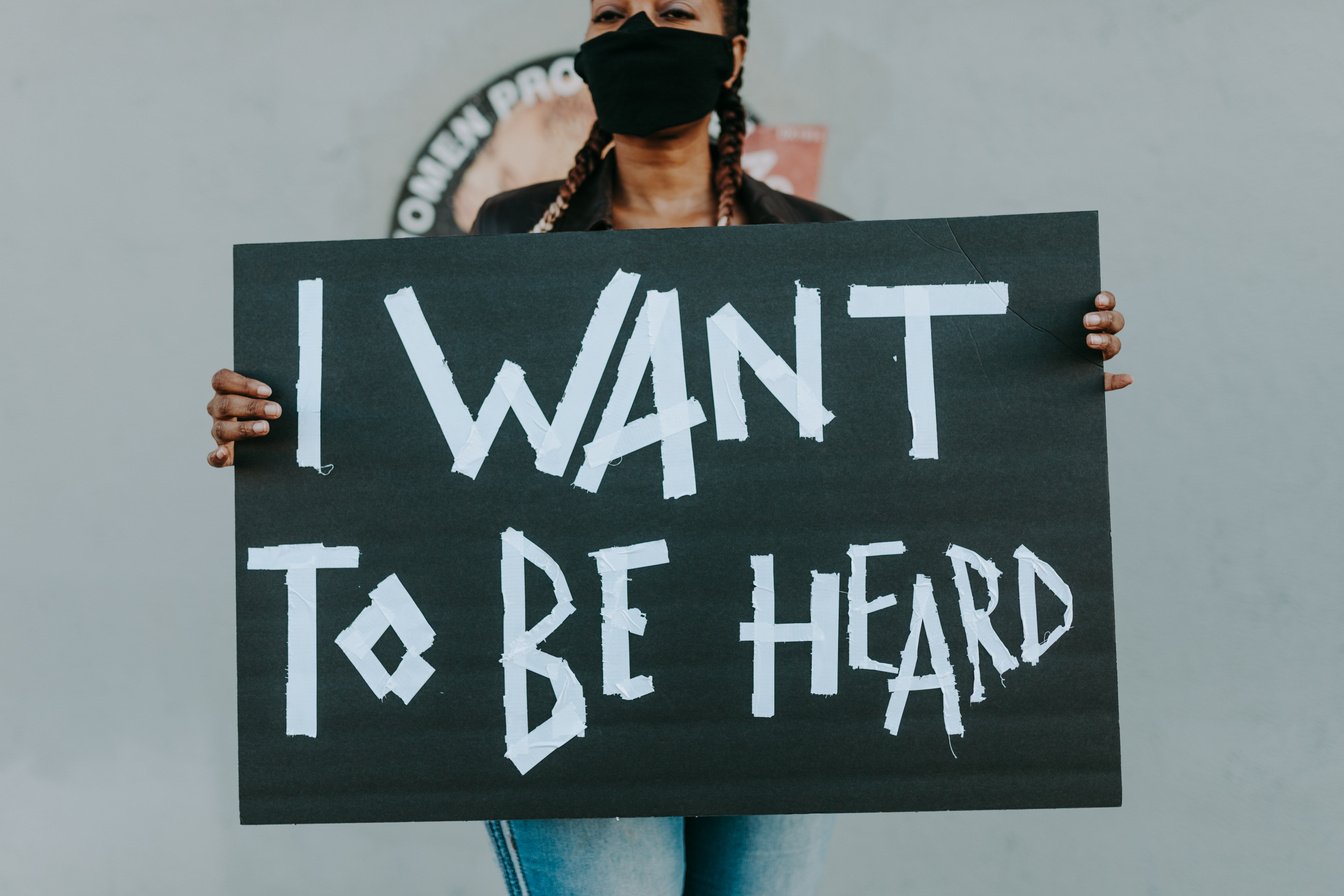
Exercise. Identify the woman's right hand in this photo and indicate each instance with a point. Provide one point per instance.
(239, 410)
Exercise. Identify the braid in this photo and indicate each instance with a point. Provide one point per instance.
(585, 163)
(735, 15)
(728, 168)
(732, 123)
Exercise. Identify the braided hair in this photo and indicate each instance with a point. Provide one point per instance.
(585, 163)
(732, 135)
(732, 123)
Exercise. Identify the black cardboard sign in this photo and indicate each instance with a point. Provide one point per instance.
(676, 522)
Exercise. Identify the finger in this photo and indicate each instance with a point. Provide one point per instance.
(230, 382)
(222, 407)
(1108, 345)
(1104, 321)
(221, 456)
(1118, 381)
(1104, 301)
(225, 431)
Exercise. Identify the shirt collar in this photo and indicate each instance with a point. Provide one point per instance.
(590, 207)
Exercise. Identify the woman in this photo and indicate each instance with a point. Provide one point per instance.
(657, 70)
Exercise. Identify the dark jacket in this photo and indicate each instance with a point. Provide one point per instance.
(517, 211)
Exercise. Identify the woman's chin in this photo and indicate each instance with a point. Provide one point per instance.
(671, 134)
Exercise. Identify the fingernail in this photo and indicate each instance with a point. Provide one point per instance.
(263, 390)
(272, 409)
(221, 453)
(1092, 320)
(1095, 339)
(259, 426)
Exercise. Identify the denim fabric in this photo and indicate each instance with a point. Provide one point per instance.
(749, 855)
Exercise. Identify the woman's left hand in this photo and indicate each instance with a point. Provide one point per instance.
(1102, 325)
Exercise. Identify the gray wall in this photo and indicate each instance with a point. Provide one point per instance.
(142, 139)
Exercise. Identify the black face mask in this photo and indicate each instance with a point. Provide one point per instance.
(645, 79)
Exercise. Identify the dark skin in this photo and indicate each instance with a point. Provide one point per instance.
(663, 180)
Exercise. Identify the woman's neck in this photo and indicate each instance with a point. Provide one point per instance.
(665, 180)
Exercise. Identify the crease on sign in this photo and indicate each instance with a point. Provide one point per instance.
(979, 628)
(300, 563)
(619, 619)
(308, 389)
(391, 606)
(732, 340)
(524, 746)
(924, 619)
(1030, 568)
(860, 607)
(823, 631)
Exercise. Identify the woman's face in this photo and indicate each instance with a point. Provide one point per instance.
(693, 15)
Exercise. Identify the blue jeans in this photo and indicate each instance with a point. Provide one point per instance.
(749, 855)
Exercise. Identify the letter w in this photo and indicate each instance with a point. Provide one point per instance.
(470, 438)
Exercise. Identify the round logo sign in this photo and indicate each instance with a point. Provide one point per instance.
(522, 129)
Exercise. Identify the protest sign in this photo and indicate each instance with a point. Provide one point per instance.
(717, 521)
